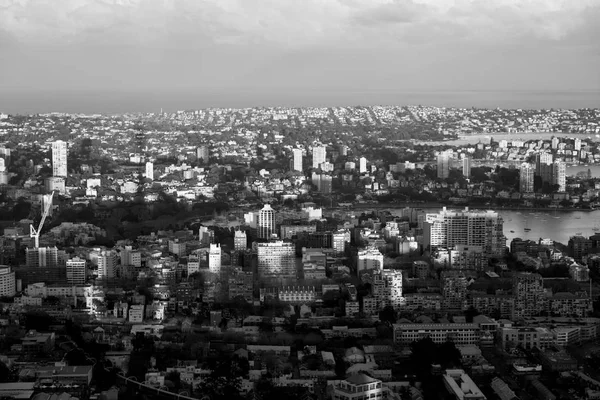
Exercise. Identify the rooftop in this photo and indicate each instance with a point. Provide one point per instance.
(360, 379)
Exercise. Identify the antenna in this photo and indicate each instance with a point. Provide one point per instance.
(35, 234)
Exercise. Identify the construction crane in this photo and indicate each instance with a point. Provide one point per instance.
(35, 234)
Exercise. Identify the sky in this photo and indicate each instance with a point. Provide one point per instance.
(144, 55)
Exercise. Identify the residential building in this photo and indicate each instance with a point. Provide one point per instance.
(297, 160)
(460, 334)
(466, 166)
(444, 161)
(202, 154)
(579, 247)
(7, 282)
(318, 156)
(454, 289)
(240, 241)
(276, 259)
(76, 271)
(298, 295)
(559, 175)
(358, 387)
(131, 257)
(526, 178)
(241, 284)
(530, 296)
(369, 259)
(59, 158)
(266, 222)
(214, 258)
(42, 257)
(339, 239)
(362, 165)
(150, 170)
(461, 386)
(449, 228)
(107, 264)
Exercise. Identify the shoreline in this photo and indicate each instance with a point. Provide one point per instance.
(458, 206)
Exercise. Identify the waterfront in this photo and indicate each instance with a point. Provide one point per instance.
(525, 136)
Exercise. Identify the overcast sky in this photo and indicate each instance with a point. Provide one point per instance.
(141, 55)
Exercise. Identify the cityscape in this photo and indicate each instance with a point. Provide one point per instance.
(256, 253)
(316, 200)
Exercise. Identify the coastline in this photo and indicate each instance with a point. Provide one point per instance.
(458, 206)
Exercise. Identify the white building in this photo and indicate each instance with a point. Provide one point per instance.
(559, 175)
(266, 222)
(59, 158)
(214, 258)
(444, 160)
(358, 387)
(466, 166)
(240, 241)
(526, 178)
(369, 259)
(319, 156)
(461, 386)
(107, 264)
(150, 170)
(362, 165)
(297, 160)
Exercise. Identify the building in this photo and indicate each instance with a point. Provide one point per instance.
(131, 257)
(7, 282)
(390, 290)
(288, 231)
(136, 313)
(3, 172)
(55, 184)
(454, 289)
(460, 334)
(150, 170)
(579, 247)
(323, 182)
(178, 248)
(241, 285)
(266, 222)
(297, 160)
(526, 178)
(544, 167)
(318, 156)
(362, 165)
(240, 241)
(369, 259)
(42, 257)
(559, 175)
(202, 154)
(298, 295)
(466, 166)
(107, 264)
(339, 239)
(76, 271)
(214, 258)
(276, 259)
(461, 386)
(59, 158)
(526, 337)
(358, 387)
(449, 228)
(530, 296)
(444, 160)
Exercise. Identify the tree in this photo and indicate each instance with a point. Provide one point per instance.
(388, 314)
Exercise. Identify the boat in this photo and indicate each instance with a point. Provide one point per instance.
(527, 229)
(512, 231)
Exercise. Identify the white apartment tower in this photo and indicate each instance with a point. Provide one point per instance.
(526, 178)
(276, 259)
(369, 259)
(3, 173)
(449, 228)
(297, 160)
(319, 156)
(266, 222)
(362, 165)
(76, 271)
(559, 175)
(443, 164)
(150, 170)
(107, 264)
(466, 166)
(214, 258)
(240, 241)
(59, 158)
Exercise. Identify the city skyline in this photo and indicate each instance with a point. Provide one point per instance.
(125, 56)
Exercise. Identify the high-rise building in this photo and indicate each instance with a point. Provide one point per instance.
(449, 228)
(59, 158)
(543, 166)
(362, 165)
(466, 166)
(266, 222)
(530, 296)
(559, 175)
(107, 264)
(3, 173)
(319, 156)
(240, 241)
(214, 258)
(323, 182)
(131, 257)
(454, 289)
(276, 259)
(339, 239)
(76, 271)
(297, 160)
(526, 178)
(369, 259)
(577, 144)
(150, 170)
(444, 160)
(390, 292)
(579, 247)
(42, 257)
(202, 154)
(8, 286)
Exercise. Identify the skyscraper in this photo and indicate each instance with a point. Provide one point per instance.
(276, 259)
(59, 158)
(297, 160)
(526, 178)
(543, 166)
(214, 258)
(466, 166)
(150, 170)
(202, 154)
(559, 175)
(443, 164)
(319, 156)
(266, 222)
(362, 165)
(449, 228)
